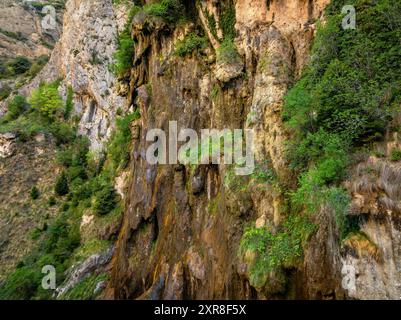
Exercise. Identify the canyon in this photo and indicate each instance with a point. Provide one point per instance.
(181, 231)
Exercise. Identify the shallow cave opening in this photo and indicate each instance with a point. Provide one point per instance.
(92, 111)
(190, 9)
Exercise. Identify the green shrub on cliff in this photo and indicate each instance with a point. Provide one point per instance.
(5, 91)
(395, 155)
(119, 145)
(228, 19)
(19, 65)
(272, 251)
(169, 10)
(125, 51)
(211, 22)
(69, 103)
(124, 54)
(34, 194)
(46, 100)
(106, 200)
(37, 66)
(189, 44)
(346, 98)
(61, 188)
(16, 107)
(227, 53)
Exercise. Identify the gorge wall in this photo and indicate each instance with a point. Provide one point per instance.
(182, 226)
(181, 229)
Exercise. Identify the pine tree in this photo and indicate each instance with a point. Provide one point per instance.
(61, 187)
(34, 193)
(105, 200)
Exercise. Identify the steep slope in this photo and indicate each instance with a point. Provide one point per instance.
(182, 229)
(22, 33)
(82, 58)
(25, 44)
(33, 151)
(182, 226)
(317, 218)
(30, 165)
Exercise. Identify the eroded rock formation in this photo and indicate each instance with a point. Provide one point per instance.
(182, 225)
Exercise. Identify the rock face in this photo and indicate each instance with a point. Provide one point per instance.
(82, 58)
(182, 225)
(7, 145)
(80, 271)
(183, 243)
(374, 255)
(22, 33)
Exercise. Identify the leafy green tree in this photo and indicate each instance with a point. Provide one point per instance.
(46, 101)
(15, 108)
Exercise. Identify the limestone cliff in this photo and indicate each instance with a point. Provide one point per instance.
(23, 35)
(195, 243)
(82, 58)
(182, 227)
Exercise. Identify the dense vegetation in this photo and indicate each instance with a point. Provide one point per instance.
(192, 42)
(275, 250)
(346, 98)
(86, 181)
(171, 11)
(41, 113)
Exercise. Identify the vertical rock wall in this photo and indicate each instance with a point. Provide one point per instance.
(82, 59)
(182, 225)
